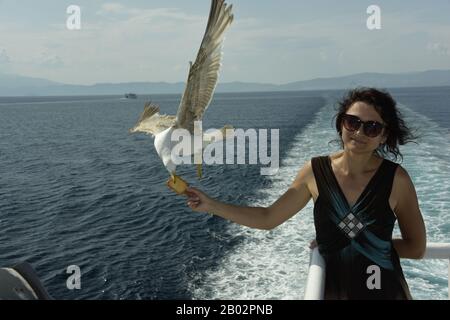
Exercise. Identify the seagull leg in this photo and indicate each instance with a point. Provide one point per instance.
(199, 171)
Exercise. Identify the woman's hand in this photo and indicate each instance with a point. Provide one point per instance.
(198, 200)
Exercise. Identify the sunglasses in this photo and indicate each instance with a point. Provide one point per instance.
(371, 129)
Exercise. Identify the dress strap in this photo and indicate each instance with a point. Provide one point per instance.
(328, 191)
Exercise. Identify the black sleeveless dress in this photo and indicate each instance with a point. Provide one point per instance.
(356, 242)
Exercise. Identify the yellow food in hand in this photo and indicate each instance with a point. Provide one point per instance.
(177, 184)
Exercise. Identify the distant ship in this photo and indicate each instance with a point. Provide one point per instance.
(131, 95)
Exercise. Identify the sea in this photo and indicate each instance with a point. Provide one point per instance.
(77, 189)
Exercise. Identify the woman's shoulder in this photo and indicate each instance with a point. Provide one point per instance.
(403, 189)
(315, 162)
(306, 171)
(401, 174)
(403, 185)
(400, 171)
(307, 166)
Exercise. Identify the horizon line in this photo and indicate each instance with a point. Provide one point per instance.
(230, 82)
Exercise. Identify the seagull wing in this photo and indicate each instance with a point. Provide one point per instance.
(203, 74)
(151, 122)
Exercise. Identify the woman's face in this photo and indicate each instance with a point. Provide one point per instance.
(357, 141)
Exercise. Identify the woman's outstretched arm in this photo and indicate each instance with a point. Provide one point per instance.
(266, 218)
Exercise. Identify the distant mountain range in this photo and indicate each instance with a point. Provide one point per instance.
(15, 85)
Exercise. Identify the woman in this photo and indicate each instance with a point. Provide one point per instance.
(358, 194)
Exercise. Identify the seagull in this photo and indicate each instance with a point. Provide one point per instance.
(198, 93)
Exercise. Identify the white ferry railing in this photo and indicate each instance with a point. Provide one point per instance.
(315, 283)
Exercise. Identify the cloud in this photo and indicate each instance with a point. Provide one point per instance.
(439, 48)
(53, 62)
(5, 61)
(143, 42)
(145, 15)
(163, 13)
(4, 58)
(112, 8)
(155, 40)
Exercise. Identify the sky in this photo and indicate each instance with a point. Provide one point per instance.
(270, 41)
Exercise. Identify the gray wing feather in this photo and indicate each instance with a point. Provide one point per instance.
(204, 73)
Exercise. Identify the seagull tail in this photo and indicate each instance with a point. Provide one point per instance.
(150, 109)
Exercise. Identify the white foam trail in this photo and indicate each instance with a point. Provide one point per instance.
(273, 265)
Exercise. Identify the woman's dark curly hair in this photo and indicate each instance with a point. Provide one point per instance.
(397, 131)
